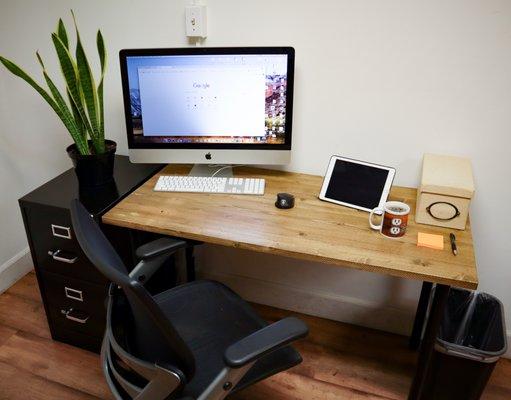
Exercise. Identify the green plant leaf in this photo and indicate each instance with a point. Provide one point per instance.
(70, 73)
(62, 33)
(68, 122)
(102, 51)
(67, 66)
(89, 91)
(40, 60)
(77, 116)
(77, 134)
(102, 58)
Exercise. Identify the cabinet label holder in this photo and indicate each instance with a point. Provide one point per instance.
(61, 231)
(73, 294)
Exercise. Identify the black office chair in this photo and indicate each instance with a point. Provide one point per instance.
(199, 340)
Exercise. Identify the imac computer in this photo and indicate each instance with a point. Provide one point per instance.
(209, 105)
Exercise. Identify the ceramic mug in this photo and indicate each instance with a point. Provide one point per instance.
(394, 221)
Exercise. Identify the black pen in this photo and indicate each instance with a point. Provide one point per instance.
(453, 244)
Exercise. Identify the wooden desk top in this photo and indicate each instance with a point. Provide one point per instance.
(313, 230)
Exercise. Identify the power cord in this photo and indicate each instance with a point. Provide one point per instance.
(224, 167)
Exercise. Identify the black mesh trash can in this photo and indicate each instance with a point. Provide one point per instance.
(471, 339)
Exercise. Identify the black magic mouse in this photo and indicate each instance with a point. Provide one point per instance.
(285, 200)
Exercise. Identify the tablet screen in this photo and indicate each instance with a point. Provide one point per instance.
(356, 184)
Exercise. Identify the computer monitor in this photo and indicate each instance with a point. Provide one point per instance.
(209, 105)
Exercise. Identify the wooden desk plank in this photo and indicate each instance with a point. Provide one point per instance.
(313, 230)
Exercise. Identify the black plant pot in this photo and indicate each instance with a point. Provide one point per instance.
(95, 169)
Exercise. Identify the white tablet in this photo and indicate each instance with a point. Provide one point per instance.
(356, 184)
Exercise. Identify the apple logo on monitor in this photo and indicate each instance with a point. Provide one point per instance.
(208, 156)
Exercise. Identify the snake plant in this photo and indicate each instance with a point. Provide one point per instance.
(82, 113)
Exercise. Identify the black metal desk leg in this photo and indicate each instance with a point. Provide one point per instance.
(420, 316)
(428, 343)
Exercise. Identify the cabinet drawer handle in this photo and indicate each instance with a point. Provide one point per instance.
(76, 316)
(61, 231)
(59, 255)
(73, 294)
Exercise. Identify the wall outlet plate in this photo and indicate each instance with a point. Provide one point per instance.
(196, 21)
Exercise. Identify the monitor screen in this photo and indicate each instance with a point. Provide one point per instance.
(208, 97)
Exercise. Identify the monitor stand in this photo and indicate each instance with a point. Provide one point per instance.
(210, 169)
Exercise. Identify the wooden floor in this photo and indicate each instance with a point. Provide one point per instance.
(341, 361)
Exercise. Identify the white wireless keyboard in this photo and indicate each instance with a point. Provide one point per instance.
(200, 184)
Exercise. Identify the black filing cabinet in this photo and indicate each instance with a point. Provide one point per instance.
(73, 291)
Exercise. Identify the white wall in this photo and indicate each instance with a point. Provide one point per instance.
(378, 80)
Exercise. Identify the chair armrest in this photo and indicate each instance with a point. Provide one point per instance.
(153, 255)
(160, 246)
(265, 341)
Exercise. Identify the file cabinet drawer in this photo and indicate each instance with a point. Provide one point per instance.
(91, 343)
(55, 246)
(76, 305)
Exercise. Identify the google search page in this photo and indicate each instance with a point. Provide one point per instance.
(203, 101)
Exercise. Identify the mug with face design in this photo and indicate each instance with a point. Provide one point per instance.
(394, 221)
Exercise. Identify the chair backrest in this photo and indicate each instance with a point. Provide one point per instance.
(153, 335)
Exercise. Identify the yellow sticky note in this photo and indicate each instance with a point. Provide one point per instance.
(431, 241)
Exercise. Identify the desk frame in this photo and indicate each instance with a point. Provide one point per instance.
(427, 347)
(420, 315)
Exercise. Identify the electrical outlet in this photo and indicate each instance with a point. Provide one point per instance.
(196, 21)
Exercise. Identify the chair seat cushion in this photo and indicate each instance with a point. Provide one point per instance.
(210, 317)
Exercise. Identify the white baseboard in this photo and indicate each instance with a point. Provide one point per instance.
(325, 305)
(14, 269)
